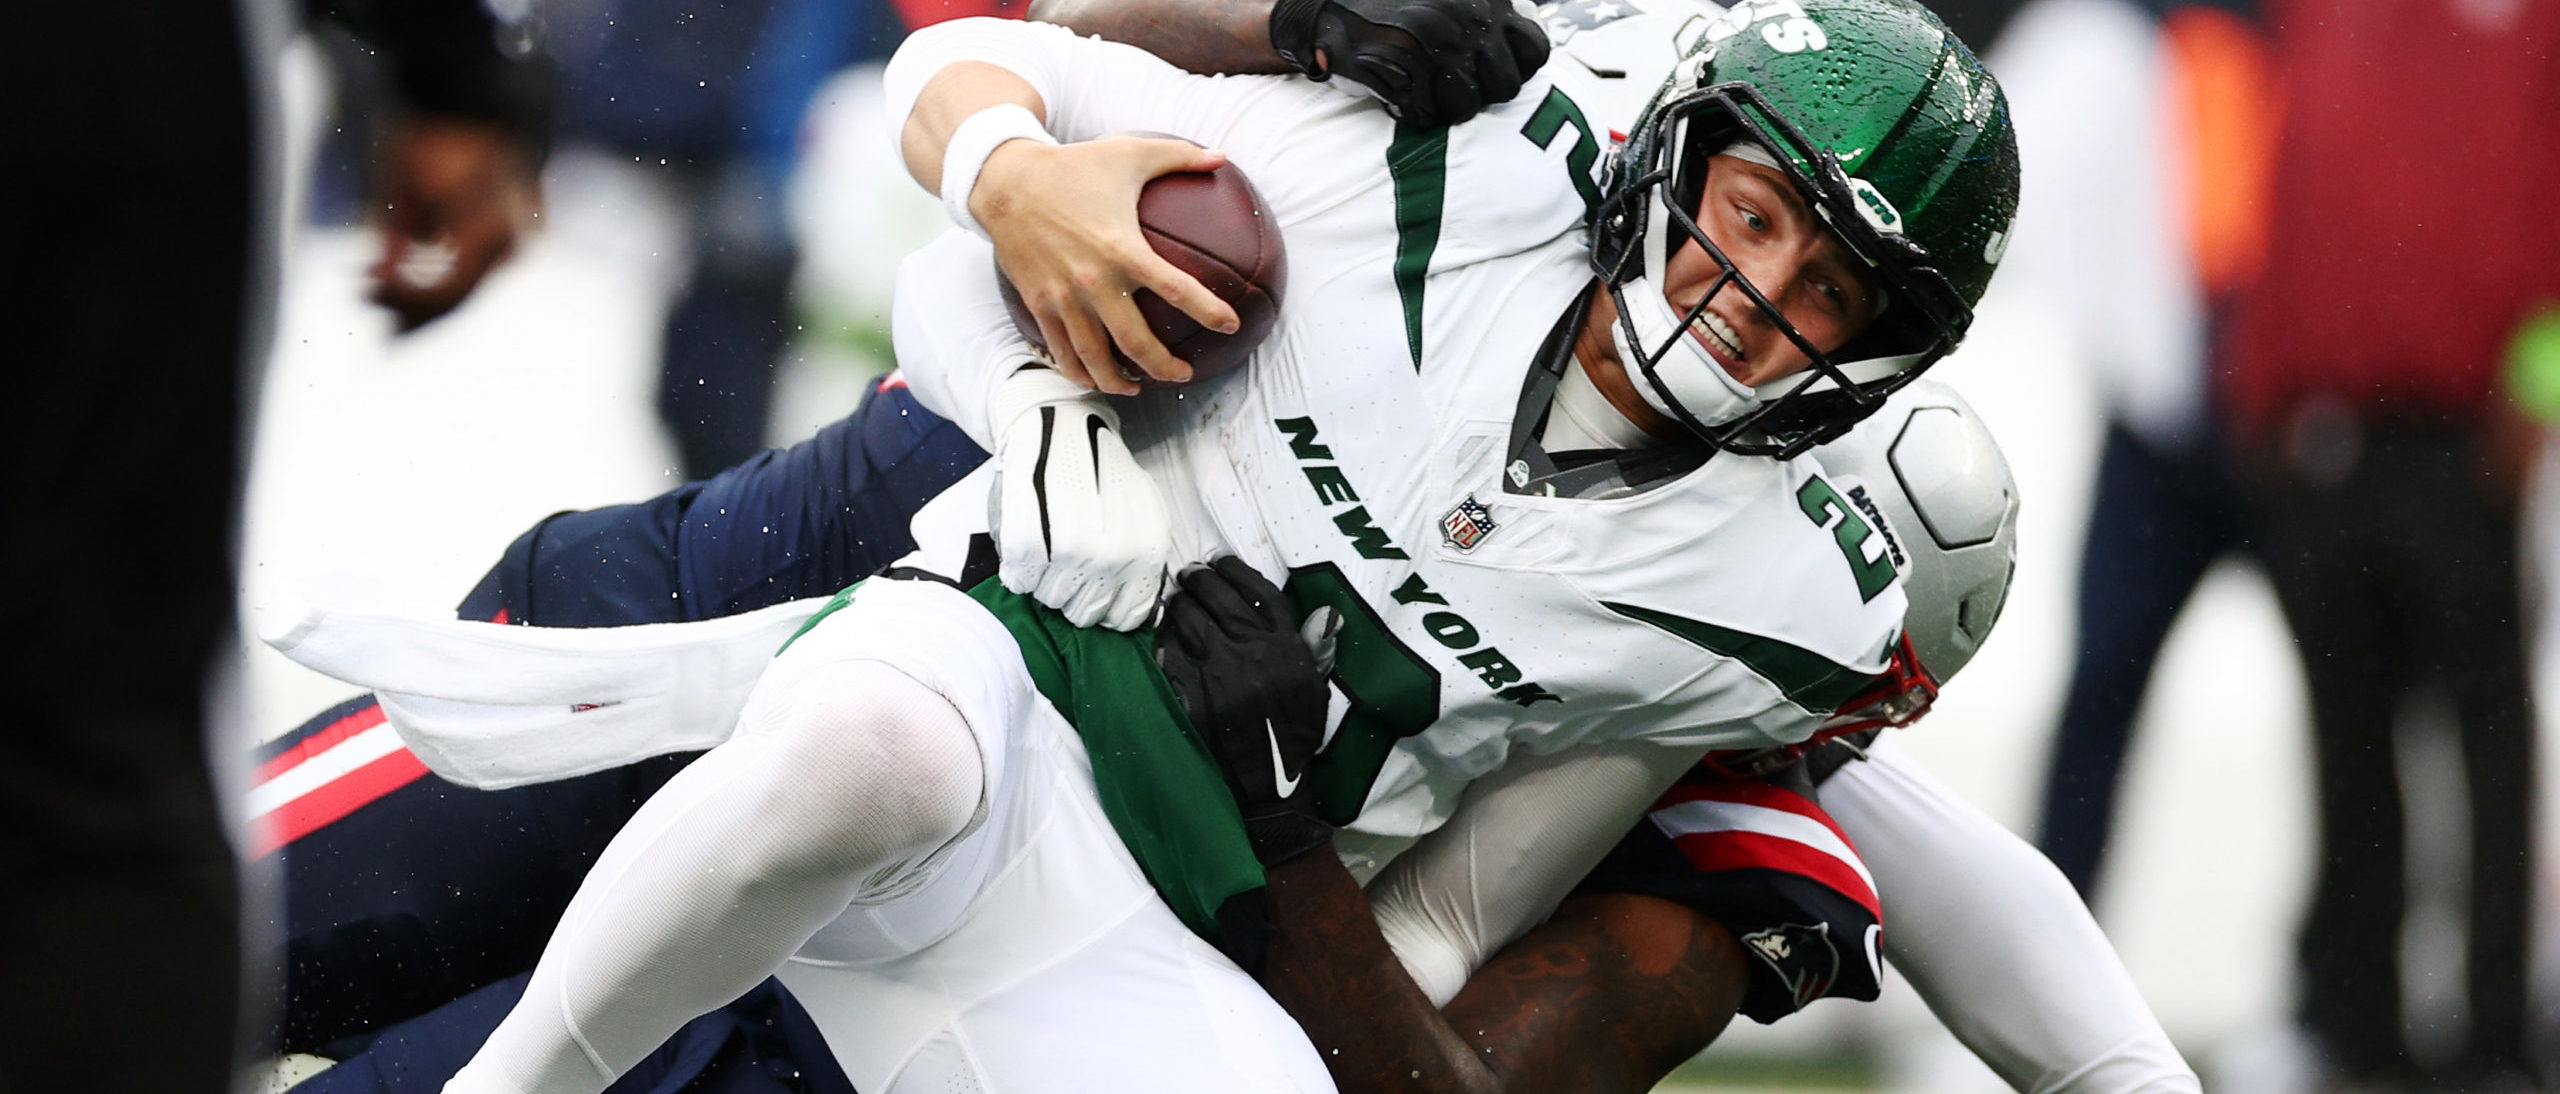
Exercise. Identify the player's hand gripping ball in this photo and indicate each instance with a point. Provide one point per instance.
(1215, 227)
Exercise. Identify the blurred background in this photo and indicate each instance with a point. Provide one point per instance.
(706, 272)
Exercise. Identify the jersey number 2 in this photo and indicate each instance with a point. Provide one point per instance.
(1820, 503)
(1551, 118)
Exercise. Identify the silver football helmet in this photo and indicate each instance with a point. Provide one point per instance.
(1925, 473)
(1950, 513)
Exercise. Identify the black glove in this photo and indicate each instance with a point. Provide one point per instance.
(1254, 688)
(1434, 62)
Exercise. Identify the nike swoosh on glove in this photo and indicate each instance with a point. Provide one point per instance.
(1079, 525)
(1252, 682)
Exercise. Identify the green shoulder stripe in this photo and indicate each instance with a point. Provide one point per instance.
(1418, 163)
(1810, 680)
(833, 605)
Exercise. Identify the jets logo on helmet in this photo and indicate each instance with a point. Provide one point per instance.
(1880, 214)
(1889, 128)
(1787, 28)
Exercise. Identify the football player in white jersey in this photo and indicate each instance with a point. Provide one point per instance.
(2025, 979)
(1556, 989)
(976, 841)
(1640, 969)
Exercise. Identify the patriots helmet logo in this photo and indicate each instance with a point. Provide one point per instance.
(1802, 957)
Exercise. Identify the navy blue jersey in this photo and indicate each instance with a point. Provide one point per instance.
(793, 522)
(757, 1045)
(1763, 859)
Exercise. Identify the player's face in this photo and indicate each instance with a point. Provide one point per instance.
(1774, 238)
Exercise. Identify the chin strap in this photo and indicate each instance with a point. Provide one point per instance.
(1673, 373)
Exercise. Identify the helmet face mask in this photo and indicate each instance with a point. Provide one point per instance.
(1939, 145)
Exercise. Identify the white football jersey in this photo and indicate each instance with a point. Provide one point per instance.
(1622, 50)
(1365, 452)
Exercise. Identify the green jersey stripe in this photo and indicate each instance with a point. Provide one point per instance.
(1158, 785)
(1810, 680)
(1418, 163)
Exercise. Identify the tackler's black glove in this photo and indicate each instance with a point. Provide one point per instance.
(1434, 62)
(1253, 683)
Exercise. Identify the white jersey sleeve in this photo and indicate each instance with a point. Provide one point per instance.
(1520, 841)
(955, 341)
(1996, 941)
(1986, 930)
(1087, 87)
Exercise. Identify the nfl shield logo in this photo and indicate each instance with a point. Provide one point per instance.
(1467, 525)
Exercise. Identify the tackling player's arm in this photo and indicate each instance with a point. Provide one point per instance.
(1433, 62)
(1212, 37)
(1610, 994)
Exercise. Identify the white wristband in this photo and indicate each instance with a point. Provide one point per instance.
(976, 138)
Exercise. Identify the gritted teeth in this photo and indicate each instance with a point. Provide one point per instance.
(1718, 336)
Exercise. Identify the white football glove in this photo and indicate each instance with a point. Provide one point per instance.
(1079, 525)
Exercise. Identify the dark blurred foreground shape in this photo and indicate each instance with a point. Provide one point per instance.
(136, 238)
(2412, 237)
(127, 229)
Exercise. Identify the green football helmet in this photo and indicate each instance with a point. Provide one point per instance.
(1893, 132)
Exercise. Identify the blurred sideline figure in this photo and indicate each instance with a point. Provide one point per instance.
(2148, 122)
(457, 176)
(709, 100)
(707, 103)
(2411, 239)
(443, 118)
(134, 225)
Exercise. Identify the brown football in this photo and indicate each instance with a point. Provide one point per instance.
(1213, 226)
